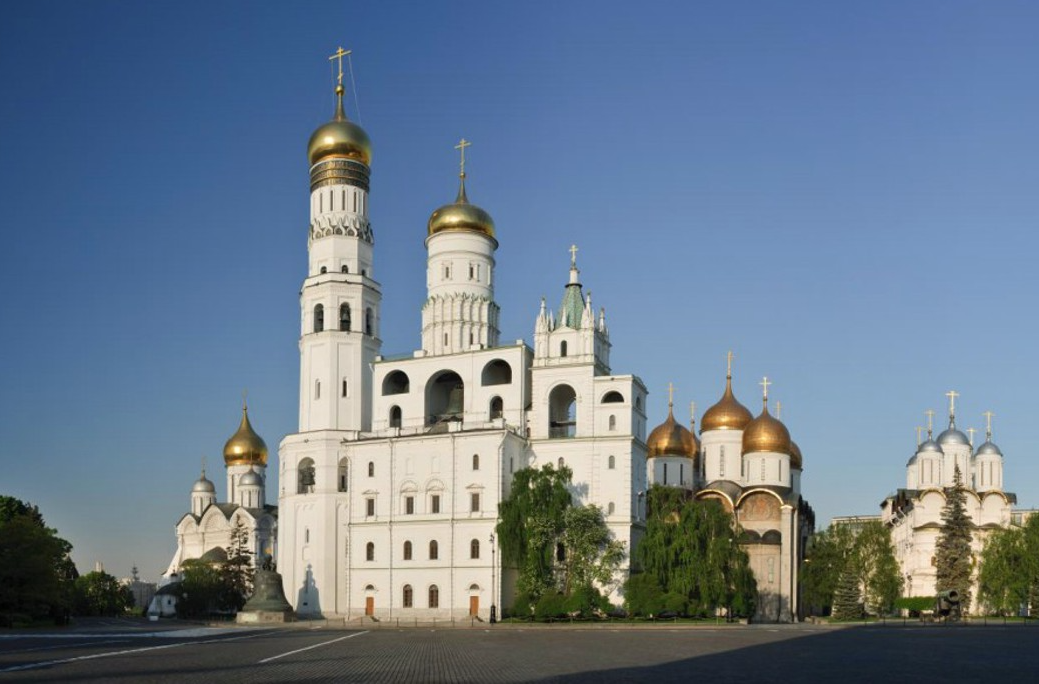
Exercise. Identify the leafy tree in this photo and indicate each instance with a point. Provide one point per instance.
(874, 563)
(825, 559)
(35, 568)
(201, 590)
(237, 572)
(689, 560)
(1009, 574)
(952, 550)
(98, 593)
(866, 554)
(591, 554)
(847, 598)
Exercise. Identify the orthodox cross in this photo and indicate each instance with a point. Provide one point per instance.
(971, 431)
(692, 412)
(918, 431)
(245, 404)
(764, 385)
(203, 466)
(339, 54)
(952, 394)
(930, 421)
(462, 144)
(670, 395)
(573, 256)
(988, 424)
(779, 410)
(728, 365)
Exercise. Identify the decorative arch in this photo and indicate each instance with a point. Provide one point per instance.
(445, 397)
(344, 317)
(395, 416)
(396, 382)
(562, 412)
(306, 476)
(752, 492)
(496, 409)
(612, 397)
(718, 495)
(496, 372)
(319, 317)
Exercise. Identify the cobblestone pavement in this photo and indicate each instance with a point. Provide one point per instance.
(789, 653)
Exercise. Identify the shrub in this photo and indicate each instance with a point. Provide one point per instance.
(550, 606)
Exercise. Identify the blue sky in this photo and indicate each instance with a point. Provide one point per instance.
(844, 194)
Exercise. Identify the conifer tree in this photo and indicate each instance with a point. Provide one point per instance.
(952, 551)
(847, 598)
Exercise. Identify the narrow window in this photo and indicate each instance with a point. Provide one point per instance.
(610, 508)
(434, 596)
(445, 339)
(472, 272)
(613, 423)
(344, 317)
(306, 535)
(342, 478)
(407, 596)
(474, 502)
(317, 389)
(681, 473)
(497, 408)
(343, 197)
(562, 348)
(324, 270)
(561, 463)
(371, 468)
(407, 550)
(370, 507)
(346, 269)
(611, 462)
(355, 201)
(368, 321)
(474, 549)
(409, 505)
(369, 551)
(321, 201)
(395, 417)
(344, 387)
(319, 318)
(476, 461)
(470, 339)
(560, 553)
(721, 463)
(434, 550)
(434, 503)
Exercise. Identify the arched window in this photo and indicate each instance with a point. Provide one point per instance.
(613, 423)
(408, 598)
(611, 462)
(319, 317)
(610, 508)
(562, 412)
(342, 475)
(344, 317)
(369, 551)
(407, 550)
(324, 269)
(613, 397)
(368, 321)
(395, 416)
(445, 398)
(434, 596)
(434, 550)
(561, 463)
(638, 403)
(371, 468)
(497, 408)
(305, 478)
(474, 548)
(346, 269)
(396, 382)
(562, 348)
(497, 372)
(476, 461)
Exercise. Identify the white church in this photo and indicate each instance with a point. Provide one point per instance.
(389, 491)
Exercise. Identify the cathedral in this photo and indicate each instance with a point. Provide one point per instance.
(389, 491)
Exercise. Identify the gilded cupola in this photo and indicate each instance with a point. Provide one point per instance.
(728, 413)
(245, 446)
(796, 460)
(766, 433)
(339, 138)
(670, 438)
(461, 215)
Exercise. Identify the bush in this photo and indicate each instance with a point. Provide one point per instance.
(643, 595)
(550, 606)
(587, 601)
(522, 607)
(915, 604)
(675, 602)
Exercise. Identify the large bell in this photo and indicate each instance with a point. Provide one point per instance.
(455, 407)
(268, 598)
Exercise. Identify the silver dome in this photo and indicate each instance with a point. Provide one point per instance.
(252, 479)
(953, 436)
(203, 486)
(989, 448)
(929, 446)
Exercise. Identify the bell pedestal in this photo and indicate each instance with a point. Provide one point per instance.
(268, 603)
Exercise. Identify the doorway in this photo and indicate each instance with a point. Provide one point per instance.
(474, 606)
(369, 605)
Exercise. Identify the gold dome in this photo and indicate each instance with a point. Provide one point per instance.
(245, 446)
(339, 139)
(796, 460)
(461, 216)
(727, 414)
(766, 433)
(671, 439)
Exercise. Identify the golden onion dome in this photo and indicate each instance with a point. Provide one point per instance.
(670, 438)
(339, 138)
(245, 446)
(796, 460)
(461, 215)
(727, 414)
(766, 433)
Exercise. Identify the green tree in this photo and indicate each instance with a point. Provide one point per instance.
(591, 557)
(98, 593)
(237, 571)
(200, 592)
(689, 560)
(866, 554)
(825, 559)
(873, 561)
(1009, 575)
(847, 597)
(35, 568)
(952, 550)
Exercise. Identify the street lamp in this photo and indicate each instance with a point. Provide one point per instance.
(494, 608)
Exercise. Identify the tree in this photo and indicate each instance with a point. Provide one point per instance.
(689, 560)
(865, 554)
(874, 563)
(98, 593)
(952, 550)
(200, 592)
(847, 603)
(1009, 574)
(825, 559)
(591, 555)
(237, 572)
(35, 568)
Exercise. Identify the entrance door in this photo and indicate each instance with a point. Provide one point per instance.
(474, 605)
(369, 605)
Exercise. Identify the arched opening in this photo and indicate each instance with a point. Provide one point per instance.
(342, 481)
(434, 550)
(396, 382)
(562, 412)
(395, 416)
(612, 423)
(371, 468)
(324, 270)
(474, 549)
(610, 508)
(561, 463)
(368, 330)
(613, 397)
(305, 478)
(476, 461)
(346, 269)
(497, 408)
(611, 462)
(434, 596)
(408, 596)
(319, 318)
(407, 550)
(562, 348)
(369, 551)
(496, 372)
(344, 317)
(445, 398)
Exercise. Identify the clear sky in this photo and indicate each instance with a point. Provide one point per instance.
(844, 194)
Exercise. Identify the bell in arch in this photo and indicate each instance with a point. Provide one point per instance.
(455, 399)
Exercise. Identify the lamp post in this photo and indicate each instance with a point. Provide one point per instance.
(494, 607)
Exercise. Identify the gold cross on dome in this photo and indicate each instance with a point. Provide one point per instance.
(203, 466)
(339, 54)
(573, 256)
(764, 386)
(971, 431)
(692, 411)
(670, 394)
(930, 421)
(952, 394)
(462, 144)
(988, 424)
(728, 365)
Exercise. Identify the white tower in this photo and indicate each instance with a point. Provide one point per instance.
(339, 339)
(460, 312)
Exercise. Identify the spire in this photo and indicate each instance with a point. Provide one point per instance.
(764, 392)
(930, 422)
(692, 417)
(952, 394)
(779, 410)
(572, 310)
(988, 425)
(670, 397)
(971, 431)
(728, 365)
(340, 114)
(462, 198)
